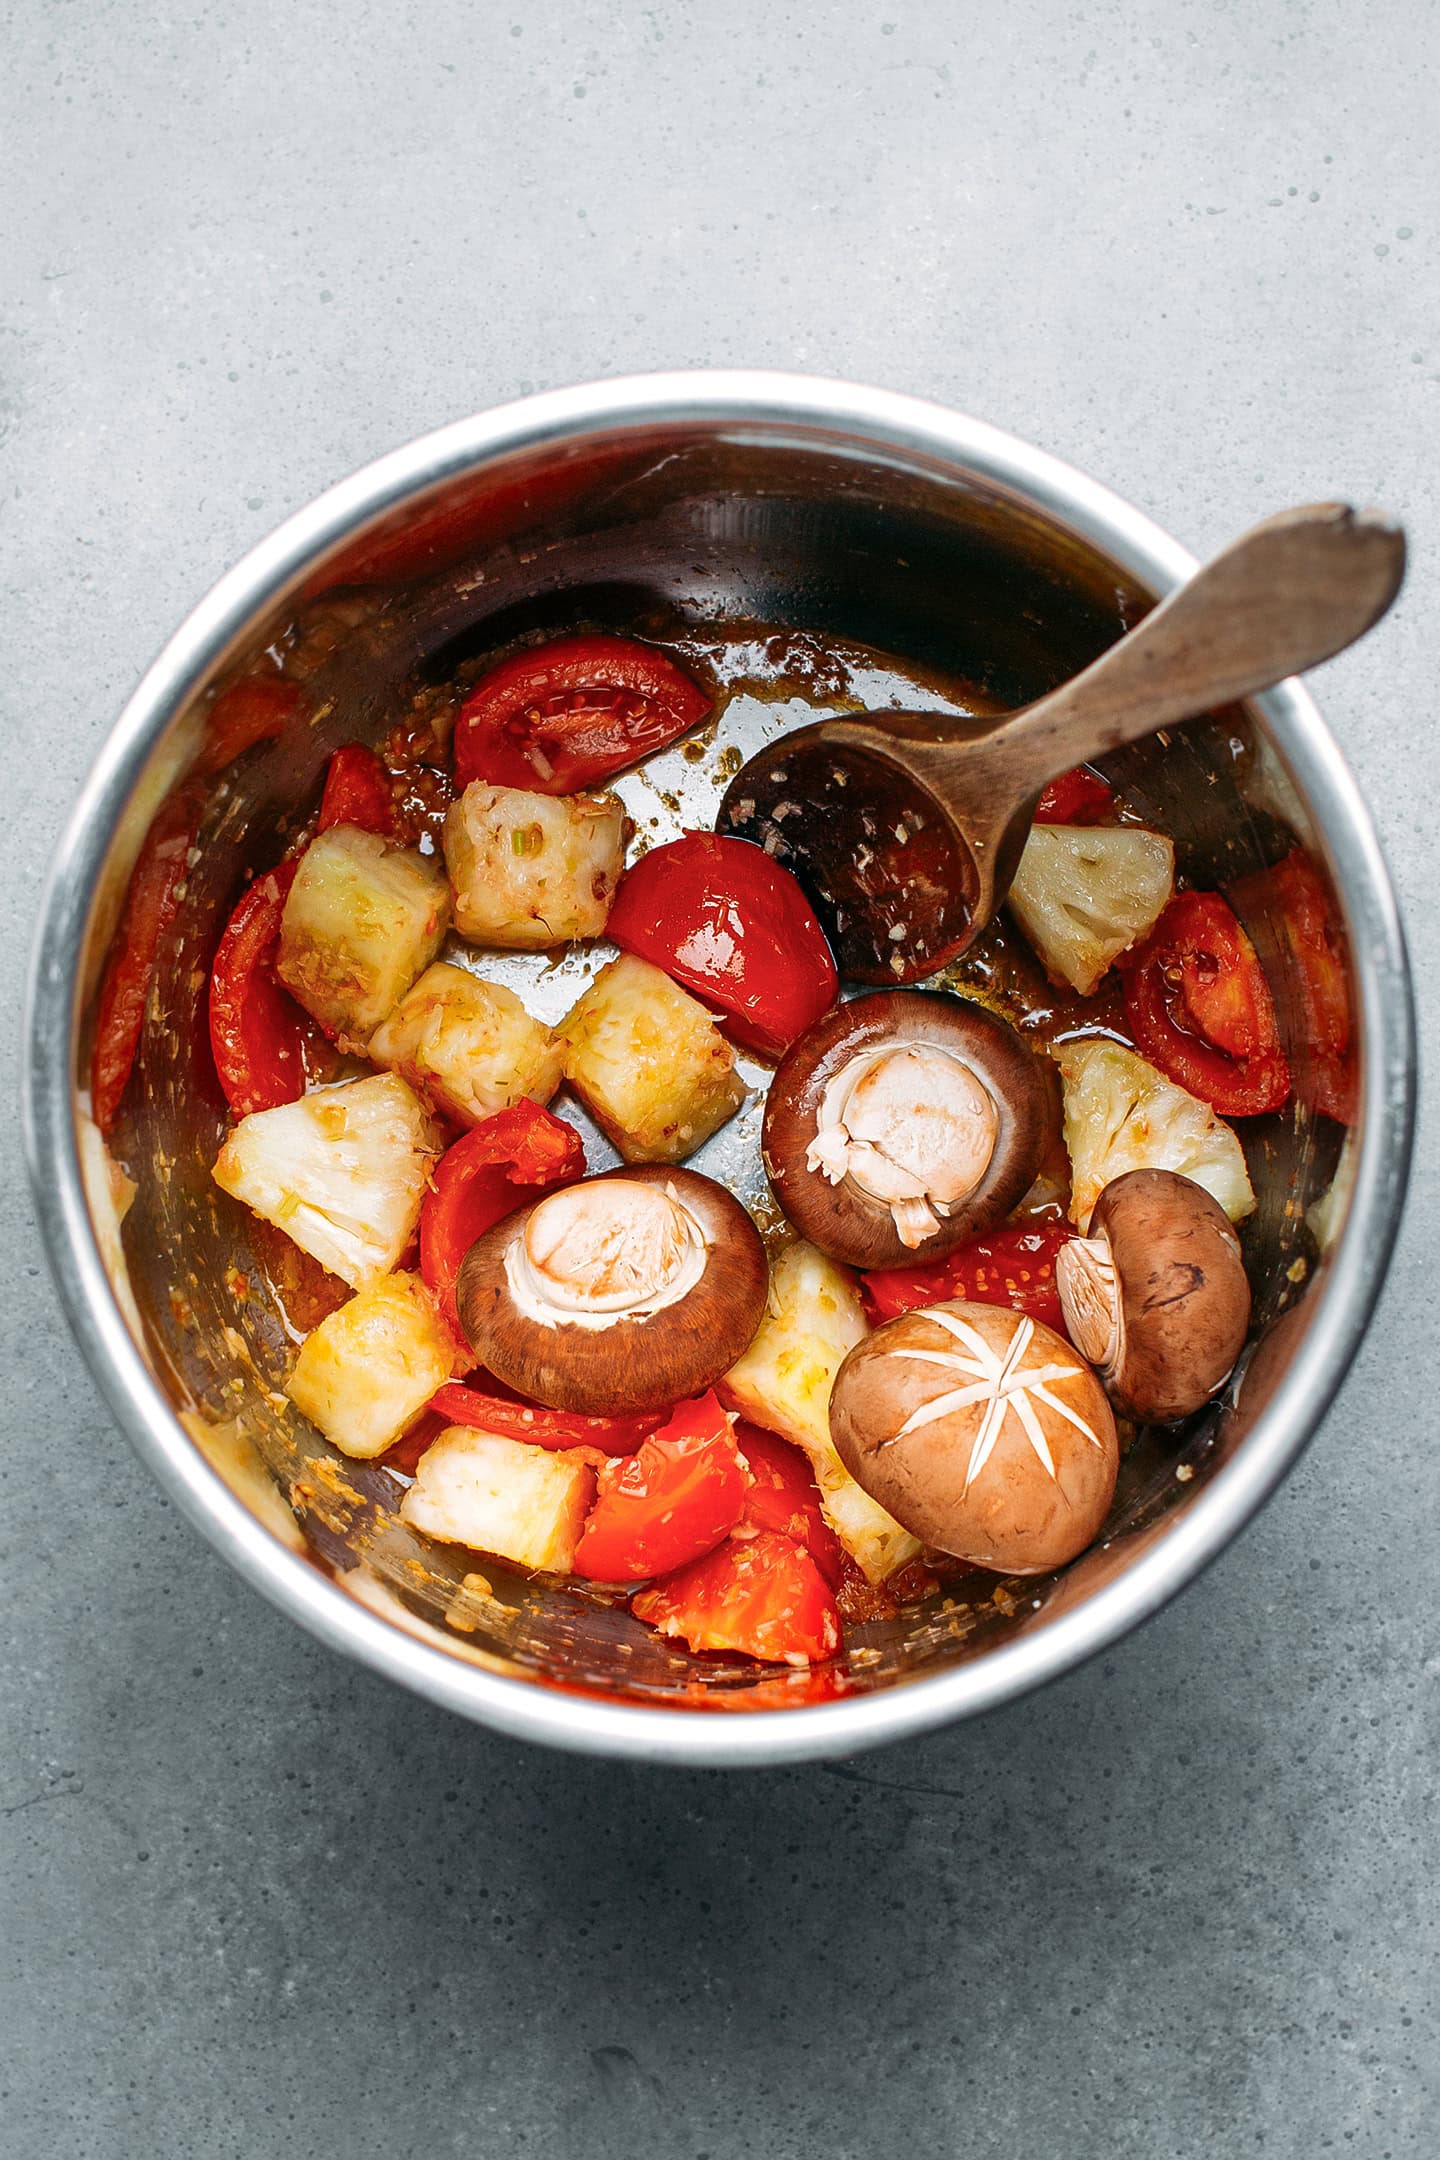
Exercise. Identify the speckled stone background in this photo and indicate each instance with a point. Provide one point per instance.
(253, 1902)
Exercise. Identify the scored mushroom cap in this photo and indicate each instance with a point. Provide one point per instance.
(902, 1124)
(982, 1432)
(1156, 1296)
(628, 1291)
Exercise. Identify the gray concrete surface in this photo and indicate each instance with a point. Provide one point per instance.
(253, 1902)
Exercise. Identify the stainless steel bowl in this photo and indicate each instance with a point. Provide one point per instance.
(689, 499)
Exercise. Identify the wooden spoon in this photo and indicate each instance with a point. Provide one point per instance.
(906, 827)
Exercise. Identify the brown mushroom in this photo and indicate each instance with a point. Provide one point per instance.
(628, 1291)
(901, 1124)
(1156, 1295)
(982, 1432)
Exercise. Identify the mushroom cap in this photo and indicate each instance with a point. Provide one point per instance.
(982, 1432)
(1156, 1295)
(628, 1291)
(1014, 1098)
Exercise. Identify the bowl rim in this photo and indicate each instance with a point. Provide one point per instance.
(885, 421)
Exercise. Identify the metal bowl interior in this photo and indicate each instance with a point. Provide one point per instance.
(694, 506)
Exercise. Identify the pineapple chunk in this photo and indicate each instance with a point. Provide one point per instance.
(783, 1382)
(877, 1544)
(1122, 1114)
(501, 1496)
(363, 918)
(368, 1370)
(342, 1172)
(469, 1047)
(649, 1063)
(533, 870)
(812, 1317)
(1084, 893)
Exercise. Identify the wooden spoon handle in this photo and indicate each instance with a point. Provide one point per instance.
(1288, 594)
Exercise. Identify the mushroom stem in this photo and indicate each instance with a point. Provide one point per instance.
(910, 1125)
(1090, 1300)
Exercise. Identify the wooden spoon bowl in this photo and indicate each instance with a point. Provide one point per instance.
(906, 828)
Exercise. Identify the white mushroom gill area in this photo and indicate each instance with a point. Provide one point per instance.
(607, 1249)
(1090, 1300)
(910, 1125)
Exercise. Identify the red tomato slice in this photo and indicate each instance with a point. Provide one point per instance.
(674, 1499)
(258, 1034)
(253, 710)
(1293, 895)
(1013, 1266)
(724, 919)
(1078, 797)
(475, 1184)
(460, 1405)
(786, 1498)
(1200, 1008)
(149, 913)
(763, 1596)
(565, 716)
(357, 792)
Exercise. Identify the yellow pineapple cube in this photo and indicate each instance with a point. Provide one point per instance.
(362, 920)
(469, 1047)
(531, 871)
(1083, 894)
(501, 1496)
(369, 1369)
(1122, 1113)
(342, 1172)
(783, 1382)
(649, 1063)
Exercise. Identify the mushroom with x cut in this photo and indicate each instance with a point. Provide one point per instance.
(981, 1431)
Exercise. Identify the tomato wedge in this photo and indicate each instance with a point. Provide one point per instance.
(258, 1034)
(565, 716)
(460, 1405)
(251, 711)
(1293, 895)
(1078, 797)
(670, 1502)
(1014, 1266)
(763, 1596)
(785, 1497)
(357, 792)
(1200, 1008)
(475, 1183)
(734, 926)
(145, 922)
